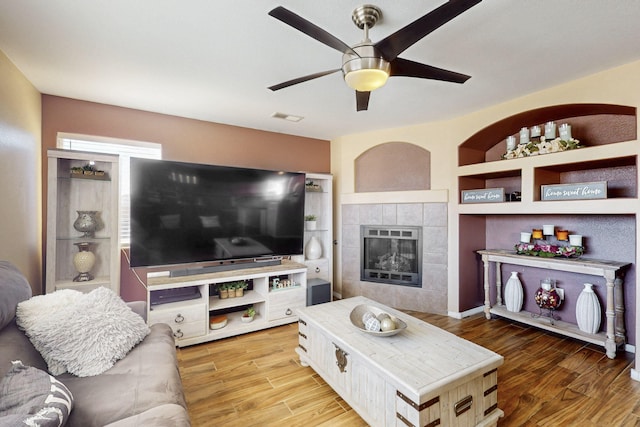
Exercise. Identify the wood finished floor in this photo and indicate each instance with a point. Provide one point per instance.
(546, 380)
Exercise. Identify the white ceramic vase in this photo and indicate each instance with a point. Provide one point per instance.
(588, 311)
(513, 293)
(313, 248)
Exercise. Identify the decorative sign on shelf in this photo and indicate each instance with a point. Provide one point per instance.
(485, 195)
(580, 191)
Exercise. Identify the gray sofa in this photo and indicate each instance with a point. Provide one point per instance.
(142, 389)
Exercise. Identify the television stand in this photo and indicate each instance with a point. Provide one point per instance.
(226, 266)
(190, 319)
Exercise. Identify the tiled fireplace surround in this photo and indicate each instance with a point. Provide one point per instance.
(432, 296)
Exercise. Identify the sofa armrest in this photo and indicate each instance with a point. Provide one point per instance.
(139, 307)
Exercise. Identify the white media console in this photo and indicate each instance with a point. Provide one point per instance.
(189, 319)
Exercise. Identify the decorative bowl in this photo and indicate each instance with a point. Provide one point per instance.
(360, 310)
(218, 322)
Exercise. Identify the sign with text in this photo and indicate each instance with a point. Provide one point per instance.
(580, 191)
(485, 195)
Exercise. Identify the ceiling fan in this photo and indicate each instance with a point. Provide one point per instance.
(366, 65)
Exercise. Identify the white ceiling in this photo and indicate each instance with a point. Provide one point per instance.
(213, 60)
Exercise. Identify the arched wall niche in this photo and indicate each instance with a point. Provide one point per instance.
(592, 124)
(393, 166)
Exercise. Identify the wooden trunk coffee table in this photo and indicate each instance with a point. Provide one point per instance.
(423, 376)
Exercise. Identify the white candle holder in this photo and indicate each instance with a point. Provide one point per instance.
(565, 132)
(535, 131)
(575, 239)
(550, 130)
(524, 136)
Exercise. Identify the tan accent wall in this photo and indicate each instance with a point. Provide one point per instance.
(393, 166)
(182, 139)
(20, 173)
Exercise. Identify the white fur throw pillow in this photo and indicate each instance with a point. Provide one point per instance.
(84, 334)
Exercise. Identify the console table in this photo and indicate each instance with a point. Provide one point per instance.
(423, 376)
(614, 308)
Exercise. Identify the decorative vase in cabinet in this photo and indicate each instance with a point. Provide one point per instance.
(513, 293)
(588, 310)
(87, 222)
(83, 261)
(313, 248)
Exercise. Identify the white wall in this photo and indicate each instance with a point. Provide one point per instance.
(20, 173)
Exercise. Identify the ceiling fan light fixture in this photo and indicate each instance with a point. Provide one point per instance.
(366, 72)
(366, 80)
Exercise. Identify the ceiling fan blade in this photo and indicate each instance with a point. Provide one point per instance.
(362, 100)
(396, 43)
(302, 79)
(405, 68)
(312, 30)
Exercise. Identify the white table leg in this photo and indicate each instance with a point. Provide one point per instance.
(498, 283)
(620, 329)
(487, 301)
(610, 343)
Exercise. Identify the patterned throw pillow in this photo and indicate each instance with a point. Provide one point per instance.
(31, 397)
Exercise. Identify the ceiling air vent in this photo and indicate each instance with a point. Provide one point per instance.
(288, 117)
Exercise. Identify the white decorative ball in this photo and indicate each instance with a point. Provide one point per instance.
(387, 324)
(367, 315)
(383, 316)
(372, 325)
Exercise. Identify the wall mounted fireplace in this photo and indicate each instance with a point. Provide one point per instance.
(391, 254)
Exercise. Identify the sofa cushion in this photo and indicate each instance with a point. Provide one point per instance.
(31, 397)
(169, 415)
(84, 337)
(146, 378)
(14, 288)
(14, 345)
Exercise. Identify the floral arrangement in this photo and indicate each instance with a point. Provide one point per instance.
(547, 250)
(542, 147)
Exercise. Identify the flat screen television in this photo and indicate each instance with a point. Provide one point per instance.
(184, 213)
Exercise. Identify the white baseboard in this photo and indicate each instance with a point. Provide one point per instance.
(630, 348)
(467, 313)
(635, 374)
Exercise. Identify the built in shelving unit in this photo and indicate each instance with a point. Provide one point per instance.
(68, 193)
(610, 153)
(319, 202)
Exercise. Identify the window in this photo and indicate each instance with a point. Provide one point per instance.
(126, 149)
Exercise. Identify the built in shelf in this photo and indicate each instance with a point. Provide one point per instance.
(620, 173)
(593, 124)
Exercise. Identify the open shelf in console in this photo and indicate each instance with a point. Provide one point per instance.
(190, 320)
(250, 297)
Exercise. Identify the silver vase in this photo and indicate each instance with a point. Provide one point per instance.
(86, 223)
